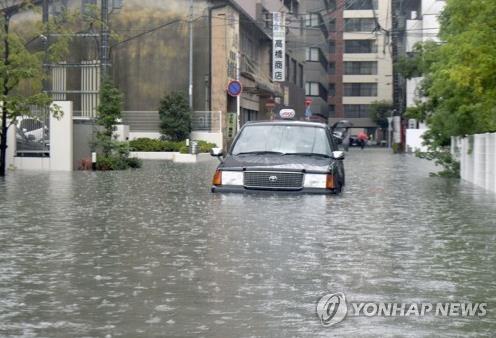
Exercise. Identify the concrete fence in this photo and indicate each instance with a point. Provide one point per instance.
(477, 156)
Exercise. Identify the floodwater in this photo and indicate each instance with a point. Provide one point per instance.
(152, 253)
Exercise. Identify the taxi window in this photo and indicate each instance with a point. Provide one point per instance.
(285, 139)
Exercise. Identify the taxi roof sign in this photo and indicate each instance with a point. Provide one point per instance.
(287, 113)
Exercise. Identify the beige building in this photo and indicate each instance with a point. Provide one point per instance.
(361, 51)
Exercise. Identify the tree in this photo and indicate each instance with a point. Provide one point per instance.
(379, 112)
(459, 85)
(175, 117)
(108, 112)
(19, 68)
(115, 155)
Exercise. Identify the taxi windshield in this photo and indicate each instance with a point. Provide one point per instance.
(283, 139)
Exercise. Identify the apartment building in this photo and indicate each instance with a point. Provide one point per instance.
(360, 59)
(315, 34)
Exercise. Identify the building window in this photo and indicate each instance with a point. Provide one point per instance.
(332, 68)
(294, 70)
(312, 54)
(332, 110)
(300, 82)
(360, 46)
(359, 25)
(356, 110)
(360, 68)
(266, 18)
(332, 46)
(316, 89)
(332, 25)
(332, 89)
(248, 48)
(312, 89)
(361, 5)
(312, 20)
(360, 89)
(287, 67)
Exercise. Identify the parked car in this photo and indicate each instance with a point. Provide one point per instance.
(33, 128)
(282, 155)
(28, 146)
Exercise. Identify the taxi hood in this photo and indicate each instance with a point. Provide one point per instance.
(277, 162)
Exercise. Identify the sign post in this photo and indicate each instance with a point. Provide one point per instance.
(278, 47)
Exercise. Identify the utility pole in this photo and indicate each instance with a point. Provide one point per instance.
(45, 44)
(190, 87)
(104, 44)
(6, 63)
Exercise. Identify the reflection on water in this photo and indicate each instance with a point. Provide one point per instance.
(153, 253)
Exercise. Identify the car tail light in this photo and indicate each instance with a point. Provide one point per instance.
(330, 184)
(217, 178)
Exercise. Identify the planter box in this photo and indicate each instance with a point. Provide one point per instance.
(153, 155)
(170, 156)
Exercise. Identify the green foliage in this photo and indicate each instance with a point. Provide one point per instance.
(417, 63)
(459, 83)
(175, 117)
(445, 159)
(108, 112)
(379, 111)
(118, 158)
(205, 147)
(147, 144)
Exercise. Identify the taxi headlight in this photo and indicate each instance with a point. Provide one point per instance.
(232, 178)
(315, 181)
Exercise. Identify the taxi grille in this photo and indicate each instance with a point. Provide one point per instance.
(273, 180)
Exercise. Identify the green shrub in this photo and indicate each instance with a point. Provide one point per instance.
(184, 149)
(205, 147)
(175, 116)
(147, 144)
(118, 158)
(134, 162)
(174, 145)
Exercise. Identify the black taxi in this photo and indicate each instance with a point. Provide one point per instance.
(281, 155)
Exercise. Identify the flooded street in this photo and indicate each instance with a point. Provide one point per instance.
(152, 253)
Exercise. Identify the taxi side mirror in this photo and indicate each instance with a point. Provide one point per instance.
(217, 152)
(338, 155)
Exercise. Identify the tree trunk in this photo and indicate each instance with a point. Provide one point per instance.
(3, 138)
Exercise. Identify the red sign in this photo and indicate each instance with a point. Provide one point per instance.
(308, 101)
(270, 104)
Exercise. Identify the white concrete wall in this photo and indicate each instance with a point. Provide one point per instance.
(61, 138)
(477, 155)
(11, 146)
(414, 140)
(61, 144)
(134, 135)
(153, 155)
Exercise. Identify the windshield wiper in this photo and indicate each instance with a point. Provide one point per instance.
(309, 154)
(259, 153)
